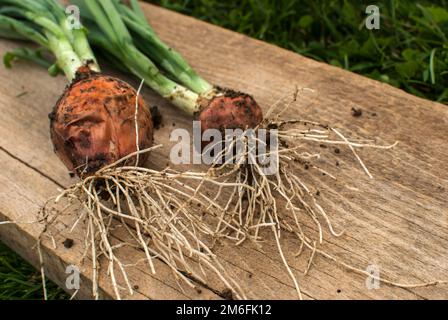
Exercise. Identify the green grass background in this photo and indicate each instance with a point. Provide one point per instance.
(409, 51)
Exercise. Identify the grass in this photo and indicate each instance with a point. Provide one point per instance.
(409, 51)
(20, 280)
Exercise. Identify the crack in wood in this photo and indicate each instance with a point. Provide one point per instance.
(31, 167)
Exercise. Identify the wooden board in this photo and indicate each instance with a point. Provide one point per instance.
(397, 221)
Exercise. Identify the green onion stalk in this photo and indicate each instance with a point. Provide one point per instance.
(101, 129)
(273, 168)
(33, 21)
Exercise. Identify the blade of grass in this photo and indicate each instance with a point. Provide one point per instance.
(431, 66)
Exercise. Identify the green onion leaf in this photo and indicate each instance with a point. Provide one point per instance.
(33, 55)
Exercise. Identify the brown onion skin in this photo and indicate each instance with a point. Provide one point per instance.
(230, 110)
(93, 123)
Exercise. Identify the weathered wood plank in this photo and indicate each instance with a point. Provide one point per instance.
(398, 221)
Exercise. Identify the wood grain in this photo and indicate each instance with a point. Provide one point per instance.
(398, 221)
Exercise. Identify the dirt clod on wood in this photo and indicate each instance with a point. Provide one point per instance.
(157, 118)
(227, 294)
(68, 243)
(356, 112)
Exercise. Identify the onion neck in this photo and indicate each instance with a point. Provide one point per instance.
(69, 45)
(81, 45)
(67, 59)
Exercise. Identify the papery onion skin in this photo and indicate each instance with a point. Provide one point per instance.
(93, 123)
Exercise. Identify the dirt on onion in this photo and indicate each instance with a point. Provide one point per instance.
(93, 123)
(229, 109)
